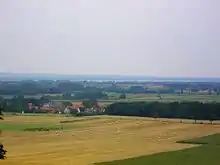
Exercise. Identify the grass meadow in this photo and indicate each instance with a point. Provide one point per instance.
(92, 140)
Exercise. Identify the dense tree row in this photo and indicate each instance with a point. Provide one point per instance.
(19, 103)
(184, 110)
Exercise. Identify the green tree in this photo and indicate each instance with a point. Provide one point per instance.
(89, 103)
(122, 96)
(1, 115)
(218, 91)
(210, 91)
(17, 104)
(1, 108)
(67, 103)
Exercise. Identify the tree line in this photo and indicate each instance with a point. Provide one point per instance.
(181, 110)
(30, 87)
(19, 103)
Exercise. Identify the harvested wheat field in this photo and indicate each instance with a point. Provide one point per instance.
(93, 139)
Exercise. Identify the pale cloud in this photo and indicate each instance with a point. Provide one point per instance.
(142, 37)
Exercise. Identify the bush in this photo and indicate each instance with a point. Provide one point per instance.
(42, 129)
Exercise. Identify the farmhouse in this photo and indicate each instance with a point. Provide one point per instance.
(73, 109)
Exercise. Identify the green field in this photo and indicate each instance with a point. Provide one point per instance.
(207, 154)
(167, 97)
(114, 97)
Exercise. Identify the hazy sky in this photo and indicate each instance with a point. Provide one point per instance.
(137, 37)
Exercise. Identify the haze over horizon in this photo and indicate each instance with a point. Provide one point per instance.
(118, 37)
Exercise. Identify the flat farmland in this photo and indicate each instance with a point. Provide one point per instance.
(90, 140)
(113, 98)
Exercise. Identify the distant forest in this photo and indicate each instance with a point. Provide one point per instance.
(30, 87)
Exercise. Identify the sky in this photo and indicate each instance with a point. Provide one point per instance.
(111, 37)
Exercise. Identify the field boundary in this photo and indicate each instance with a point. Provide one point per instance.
(205, 144)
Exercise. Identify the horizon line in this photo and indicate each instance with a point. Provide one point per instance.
(121, 75)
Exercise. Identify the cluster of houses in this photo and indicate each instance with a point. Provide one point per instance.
(55, 107)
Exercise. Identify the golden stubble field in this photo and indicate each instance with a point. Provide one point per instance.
(103, 139)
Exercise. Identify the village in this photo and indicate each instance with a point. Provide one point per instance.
(60, 108)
